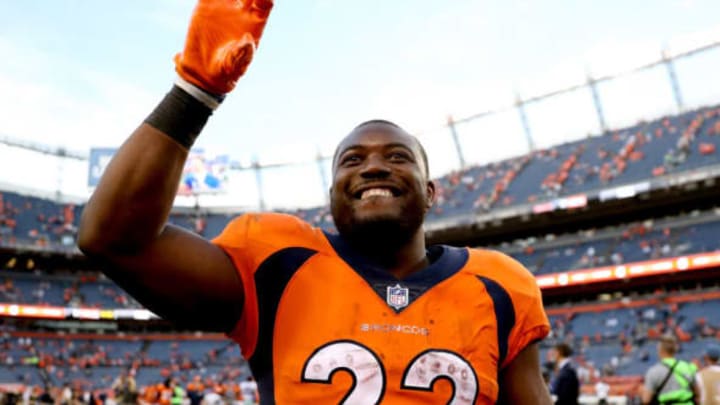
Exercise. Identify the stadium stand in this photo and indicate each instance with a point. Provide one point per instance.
(614, 338)
(634, 242)
(667, 145)
(71, 290)
(94, 363)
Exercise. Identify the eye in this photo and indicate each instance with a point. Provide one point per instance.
(350, 159)
(400, 156)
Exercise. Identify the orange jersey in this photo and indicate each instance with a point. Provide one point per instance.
(195, 387)
(150, 395)
(322, 325)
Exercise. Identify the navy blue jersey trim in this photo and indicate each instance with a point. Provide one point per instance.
(445, 262)
(271, 278)
(504, 315)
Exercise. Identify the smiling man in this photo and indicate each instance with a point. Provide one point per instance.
(381, 193)
(369, 315)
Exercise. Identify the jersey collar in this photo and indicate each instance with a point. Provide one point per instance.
(398, 294)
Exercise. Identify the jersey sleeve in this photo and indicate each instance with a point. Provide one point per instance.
(531, 321)
(248, 240)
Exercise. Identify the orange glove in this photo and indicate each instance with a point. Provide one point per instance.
(221, 42)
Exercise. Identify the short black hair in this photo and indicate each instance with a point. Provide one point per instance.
(379, 121)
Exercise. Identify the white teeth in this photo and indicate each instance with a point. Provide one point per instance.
(381, 192)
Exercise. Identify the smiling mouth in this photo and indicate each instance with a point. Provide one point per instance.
(378, 192)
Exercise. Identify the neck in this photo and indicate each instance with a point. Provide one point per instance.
(400, 261)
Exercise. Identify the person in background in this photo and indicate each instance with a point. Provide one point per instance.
(564, 385)
(249, 391)
(212, 397)
(66, 394)
(602, 389)
(177, 392)
(670, 380)
(195, 390)
(708, 379)
(125, 388)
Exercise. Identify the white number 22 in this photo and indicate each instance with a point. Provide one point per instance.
(368, 372)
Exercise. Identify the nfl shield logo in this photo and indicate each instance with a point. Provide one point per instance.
(398, 297)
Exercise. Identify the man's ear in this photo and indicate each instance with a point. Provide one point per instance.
(430, 195)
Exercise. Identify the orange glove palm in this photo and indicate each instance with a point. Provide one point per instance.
(221, 42)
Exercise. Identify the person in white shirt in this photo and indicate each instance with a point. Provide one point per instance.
(212, 398)
(602, 389)
(66, 395)
(248, 388)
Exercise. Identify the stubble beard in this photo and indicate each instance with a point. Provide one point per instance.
(379, 235)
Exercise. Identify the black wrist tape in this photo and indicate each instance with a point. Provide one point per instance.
(180, 116)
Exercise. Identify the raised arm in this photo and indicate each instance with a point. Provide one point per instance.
(176, 274)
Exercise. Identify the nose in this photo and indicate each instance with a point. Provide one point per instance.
(375, 167)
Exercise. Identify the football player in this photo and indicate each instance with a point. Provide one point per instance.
(369, 315)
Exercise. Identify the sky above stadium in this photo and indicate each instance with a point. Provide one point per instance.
(79, 74)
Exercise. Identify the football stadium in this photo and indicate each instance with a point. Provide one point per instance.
(620, 228)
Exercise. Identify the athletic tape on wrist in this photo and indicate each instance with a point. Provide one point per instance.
(180, 116)
(211, 100)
